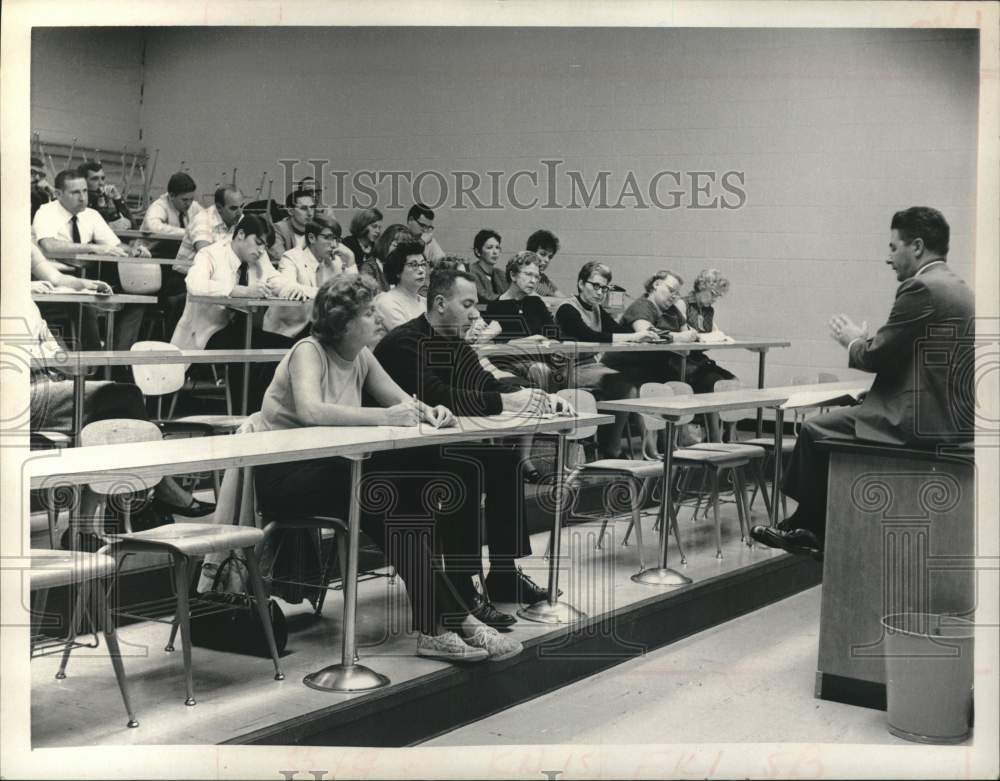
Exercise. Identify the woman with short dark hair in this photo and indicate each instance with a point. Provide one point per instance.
(366, 227)
(490, 279)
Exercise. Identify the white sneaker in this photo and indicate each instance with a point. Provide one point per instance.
(449, 647)
(498, 646)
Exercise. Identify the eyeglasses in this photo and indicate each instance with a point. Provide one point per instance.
(329, 237)
(416, 264)
(598, 287)
(427, 228)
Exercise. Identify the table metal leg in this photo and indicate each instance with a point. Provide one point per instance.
(552, 610)
(110, 341)
(779, 424)
(246, 364)
(762, 354)
(79, 381)
(349, 676)
(684, 367)
(661, 575)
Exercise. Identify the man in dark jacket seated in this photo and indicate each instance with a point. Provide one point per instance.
(915, 400)
(429, 356)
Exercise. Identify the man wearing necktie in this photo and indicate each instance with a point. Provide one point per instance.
(68, 225)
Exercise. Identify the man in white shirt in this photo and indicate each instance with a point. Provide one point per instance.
(420, 221)
(211, 224)
(236, 267)
(170, 215)
(68, 225)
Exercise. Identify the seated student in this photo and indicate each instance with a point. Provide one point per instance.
(420, 221)
(429, 356)
(545, 244)
(52, 400)
(211, 224)
(366, 227)
(170, 215)
(406, 269)
(523, 315)
(105, 198)
(68, 225)
(656, 311)
(702, 371)
(290, 233)
(41, 190)
(237, 268)
(320, 383)
(304, 270)
(490, 280)
(583, 319)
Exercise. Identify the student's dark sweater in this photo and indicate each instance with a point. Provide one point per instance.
(440, 369)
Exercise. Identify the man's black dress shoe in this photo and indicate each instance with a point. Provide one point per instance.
(798, 541)
(486, 612)
(197, 508)
(515, 586)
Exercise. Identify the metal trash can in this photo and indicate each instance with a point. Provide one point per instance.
(929, 676)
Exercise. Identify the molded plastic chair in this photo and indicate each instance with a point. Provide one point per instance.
(141, 278)
(52, 569)
(182, 541)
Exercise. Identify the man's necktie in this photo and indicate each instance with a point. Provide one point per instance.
(244, 275)
(75, 228)
(183, 218)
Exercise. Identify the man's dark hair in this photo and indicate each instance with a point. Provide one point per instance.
(442, 283)
(252, 225)
(36, 163)
(220, 194)
(543, 239)
(180, 184)
(393, 265)
(923, 222)
(63, 176)
(295, 195)
(320, 223)
(417, 211)
(87, 166)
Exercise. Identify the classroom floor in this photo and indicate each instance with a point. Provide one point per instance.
(749, 680)
(237, 694)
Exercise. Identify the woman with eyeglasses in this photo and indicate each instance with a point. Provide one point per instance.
(366, 227)
(583, 319)
(406, 270)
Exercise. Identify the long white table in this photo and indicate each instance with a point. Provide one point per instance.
(76, 363)
(81, 257)
(578, 349)
(673, 408)
(152, 460)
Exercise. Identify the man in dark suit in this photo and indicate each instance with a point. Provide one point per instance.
(923, 392)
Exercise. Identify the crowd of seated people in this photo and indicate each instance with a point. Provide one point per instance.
(383, 300)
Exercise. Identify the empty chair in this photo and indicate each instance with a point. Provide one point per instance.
(163, 379)
(140, 278)
(714, 461)
(637, 474)
(182, 542)
(52, 569)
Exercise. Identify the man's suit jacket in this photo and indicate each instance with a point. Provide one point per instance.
(284, 240)
(923, 360)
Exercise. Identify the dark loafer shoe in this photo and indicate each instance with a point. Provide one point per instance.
(515, 587)
(489, 615)
(798, 541)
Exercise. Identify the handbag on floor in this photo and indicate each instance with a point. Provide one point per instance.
(238, 630)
